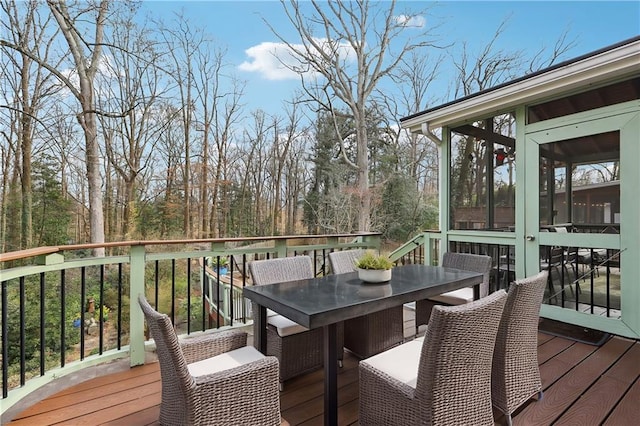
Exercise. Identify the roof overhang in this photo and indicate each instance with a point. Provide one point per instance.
(592, 70)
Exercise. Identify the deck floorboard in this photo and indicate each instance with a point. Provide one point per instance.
(583, 384)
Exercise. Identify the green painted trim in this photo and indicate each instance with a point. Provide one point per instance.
(50, 259)
(582, 240)
(490, 237)
(407, 248)
(571, 316)
(444, 177)
(23, 271)
(136, 322)
(520, 243)
(625, 119)
(630, 225)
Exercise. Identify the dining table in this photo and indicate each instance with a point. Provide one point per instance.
(326, 301)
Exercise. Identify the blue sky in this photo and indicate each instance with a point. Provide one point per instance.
(238, 25)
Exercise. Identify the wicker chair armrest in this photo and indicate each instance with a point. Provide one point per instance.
(212, 344)
(248, 394)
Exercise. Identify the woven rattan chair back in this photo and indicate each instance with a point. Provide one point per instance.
(454, 376)
(466, 262)
(515, 373)
(470, 262)
(298, 353)
(373, 333)
(344, 261)
(284, 269)
(177, 405)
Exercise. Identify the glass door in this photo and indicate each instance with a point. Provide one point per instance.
(574, 213)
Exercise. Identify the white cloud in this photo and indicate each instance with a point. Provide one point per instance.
(269, 59)
(276, 61)
(417, 21)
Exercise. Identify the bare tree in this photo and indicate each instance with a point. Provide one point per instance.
(218, 103)
(86, 56)
(284, 140)
(415, 76)
(27, 86)
(480, 70)
(348, 62)
(131, 85)
(184, 42)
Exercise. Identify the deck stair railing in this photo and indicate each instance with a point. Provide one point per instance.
(585, 279)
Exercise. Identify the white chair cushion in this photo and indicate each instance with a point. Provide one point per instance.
(400, 362)
(456, 297)
(285, 326)
(271, 313)
(225, 361)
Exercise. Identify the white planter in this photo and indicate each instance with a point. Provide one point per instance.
(374, 275)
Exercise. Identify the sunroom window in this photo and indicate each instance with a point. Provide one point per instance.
(482, 175)
(580, 182)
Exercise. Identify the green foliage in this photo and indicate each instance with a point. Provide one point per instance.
(371, 260)
(52, 315)
(51, 210)
(402, 211)
(330, 176)
(219, 261)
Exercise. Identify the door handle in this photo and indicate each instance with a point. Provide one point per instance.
(530, 238)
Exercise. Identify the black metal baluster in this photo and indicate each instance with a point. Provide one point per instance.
(5, 343)
(63, 341)
(189, 295)
(156, 282)
(42, 324)
(83, 299)
(244, 284)
(22, 335)
(232, 300)
(173, 290)
(119, 306)
(205, 292)
(218, 293)
(101, 316)
(592, 282)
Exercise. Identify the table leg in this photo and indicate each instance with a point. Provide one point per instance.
(260, 338)
(330, 376)
(476, 292)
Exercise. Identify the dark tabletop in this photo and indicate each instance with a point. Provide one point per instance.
(333, 298)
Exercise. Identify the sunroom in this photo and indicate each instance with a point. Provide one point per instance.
(557, 150)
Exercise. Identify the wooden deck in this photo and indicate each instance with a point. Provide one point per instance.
(583, 384)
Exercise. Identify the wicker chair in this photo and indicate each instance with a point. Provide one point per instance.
(444, 378)
(464, 261)
(299, 349)
(213, 378)
(369, 334)
(515, 376)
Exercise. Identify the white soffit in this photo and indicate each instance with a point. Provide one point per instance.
(609, 65)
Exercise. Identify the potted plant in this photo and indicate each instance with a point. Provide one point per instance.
(374, 268)
(220, 264)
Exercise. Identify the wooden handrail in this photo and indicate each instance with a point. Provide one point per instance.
(24, 254)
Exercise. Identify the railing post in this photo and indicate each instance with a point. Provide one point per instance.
(373, 240)
(136, 318)
(281, 248)
(427, 243)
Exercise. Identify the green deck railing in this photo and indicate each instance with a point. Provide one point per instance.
(63, 310)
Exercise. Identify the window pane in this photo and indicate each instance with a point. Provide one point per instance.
(482, 194)
(579, 182)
